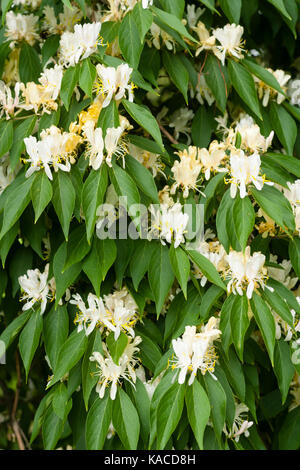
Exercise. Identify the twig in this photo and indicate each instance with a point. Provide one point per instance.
(14, 423)
(202, 67)
(167, 134)
(223, 78)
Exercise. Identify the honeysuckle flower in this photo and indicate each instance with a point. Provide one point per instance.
(194, 351)
(80, 44)
(212, 159)
(251, 138)
(30, 3)
(202, 91)
(245, 272)
(214, 252)
(146, 3)
(67, 19)
(282, 327)
(294, 91)
(265, 92)
(95, 144)
(110, 373)
(114, 82)
(245, 170)
(186, 171)
(230, 39)
(293, 196)
(7, 175)
(55, 149)
(283, 272)
(8, 102)
(10, 74)
(168, 223)
(21, 27)
(179, 121)
(35, 288)
(193, 14)
(268, 227)
(95, 315)
(207, 41)
(113, 144)
(240, 424)
(122, 311)
(160, 38)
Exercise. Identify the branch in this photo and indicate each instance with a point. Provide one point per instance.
(167, 134)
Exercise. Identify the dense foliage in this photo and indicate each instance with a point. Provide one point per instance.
(150, 220)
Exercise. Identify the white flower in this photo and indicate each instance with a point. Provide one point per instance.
(114, 82)
(193, 14)
(214, 252)
(21, 27)
(251, 138)
(67, 19)
(282, 273)
(212, 159)
(111, 373)
(203, 91)
(186, 171)
(122, 312)
(179, 120)
(207, 42)
(240, 424)
(245, 170)
(265, 92)
(80, 44)
(35, 287)
(8, 103)
(293, 196)
(245, 271)
(50, 80)
(168, 223)
(112, 143)
(6, 173)
(230, 39)
(89, 317)
(195, 351)
(294, 91)
(159, 34)
(146, 3)
(55, 149)
(95, 144)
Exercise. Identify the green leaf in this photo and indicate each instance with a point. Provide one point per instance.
(169, 412)
(239, 321)
(265, 322)
(126, 187)
(41, 193)
(279, 4)
(55, 330)
(68, 83)
(49, 48)
(29, 339)
(222, 219)
(244, 85)
(217, 399)
(143, 116)
(203, 126)
(150, 353)
(63, 280)
(234, 373)
(63, 200)
(140, 260)
(77, 247)
(13, 329)
(283, 367)
(206, 267)
(215, 76)
(109, 117)
(60, 400)
(279, 305)
(5, 6)
(142, 178)
(294, 253)
(181, 266)
(289, 434)
(210, 4)
(116, 347)
(15, 205)
(129, 40)
(29, 64)
(263, 74)
(7, 242)
(87, 76)
(275, 205)
(93, 193)
(172, 22)
(97, 423)
(99, 260)
(287, 162)
(6, 136)
(198, 410)
(69, 354)
(244, 219)
(89, 368)
(160, 275)
(177, 72)
(126, 420)
(143, 19)
(284, 126)
(21, 131)
(232, 9)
